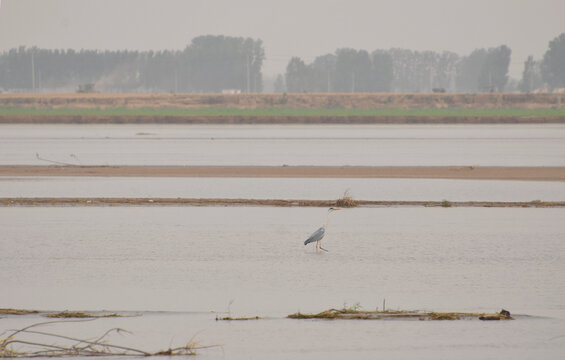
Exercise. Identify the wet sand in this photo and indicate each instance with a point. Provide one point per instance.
(416, 172)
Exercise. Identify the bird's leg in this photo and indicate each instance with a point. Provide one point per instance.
(322, 247)
(317, 244)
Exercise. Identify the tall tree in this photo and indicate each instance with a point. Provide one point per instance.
(494, 71)
(363, 72)
(382, 71)
(353, 71)
(445, 70)
(409, 73)
(296, 75)
(345, 70)
(323, 73)
(279, 86)
(553, 63)
(468, 70)
(220, 62)
(531, 76)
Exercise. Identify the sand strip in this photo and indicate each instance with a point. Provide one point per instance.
(416, 172)
(261, 202)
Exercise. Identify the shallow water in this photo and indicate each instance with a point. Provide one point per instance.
(199, 259)
(276, 338)
(192, 262)
(206, 256)
(378, 145)
(288, 188)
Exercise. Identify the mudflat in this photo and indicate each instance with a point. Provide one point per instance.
(417, 172)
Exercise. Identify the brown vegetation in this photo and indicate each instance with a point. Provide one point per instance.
(292, 100)
(46, 344)
(79, 315)
(346, 201)
(17, 312)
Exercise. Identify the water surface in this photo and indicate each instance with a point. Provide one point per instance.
(287, 188)
(196, 260)
(464, 258)
(376, 145)
(181, 266)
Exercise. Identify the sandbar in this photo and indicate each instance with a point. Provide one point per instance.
(416, 172)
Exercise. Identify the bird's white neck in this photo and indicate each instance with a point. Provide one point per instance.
(327, 220)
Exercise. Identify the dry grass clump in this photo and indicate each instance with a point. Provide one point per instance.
(443, 316)
(79, 315)
(346, 201)
(47, 344)
(346, 311)
(17, 312)
(328, 314)
(446, 203)
(348, 314)
(229, 318)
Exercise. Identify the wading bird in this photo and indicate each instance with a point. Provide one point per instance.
(319, 234)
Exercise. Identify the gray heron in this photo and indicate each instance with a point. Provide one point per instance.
(319, 234)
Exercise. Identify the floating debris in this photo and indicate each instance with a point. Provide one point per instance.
(352, 314)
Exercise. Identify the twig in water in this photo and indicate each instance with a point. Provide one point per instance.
(53, 161)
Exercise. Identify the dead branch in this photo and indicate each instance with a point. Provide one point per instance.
(81, 347)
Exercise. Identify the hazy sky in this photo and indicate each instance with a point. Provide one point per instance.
(304, 28)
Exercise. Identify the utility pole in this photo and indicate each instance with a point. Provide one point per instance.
(531, 76)
(32, 73)
(176, 81)
(248, 76)
(431, 79)
(491, 89)
(452, 86)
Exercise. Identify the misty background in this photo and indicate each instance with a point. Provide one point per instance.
(251, 45)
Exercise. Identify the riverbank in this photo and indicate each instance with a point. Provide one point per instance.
(333, 108)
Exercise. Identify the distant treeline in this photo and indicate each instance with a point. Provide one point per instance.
(401, 70)
(208, 64)
(215, 63)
